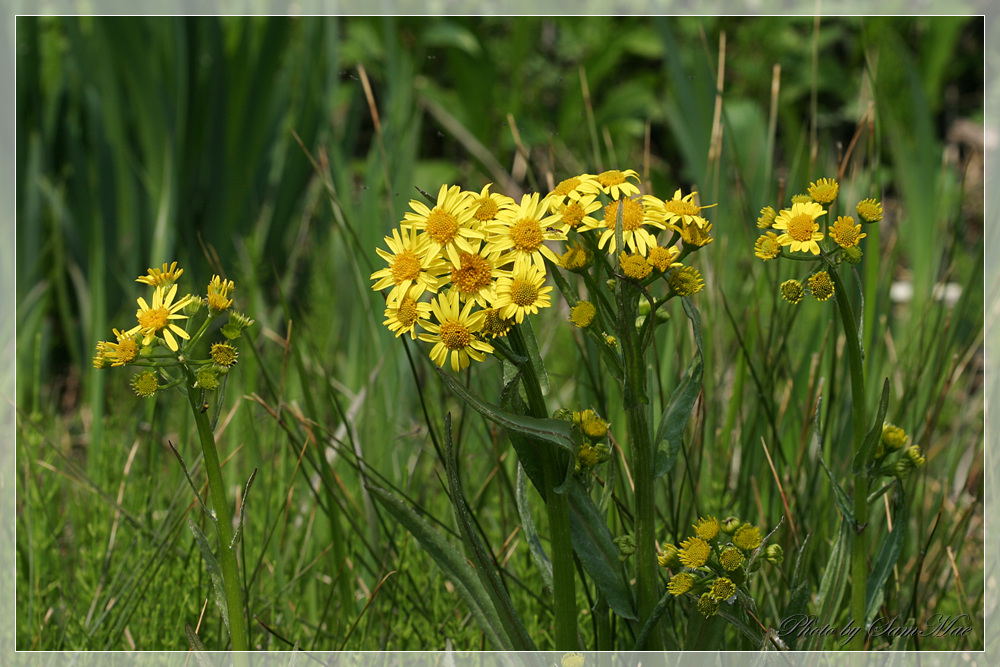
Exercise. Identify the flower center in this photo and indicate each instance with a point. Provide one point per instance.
(680, 208)
(472, 275)
(565, 187)
(405, 266)
(493, 324)
(522, 292)
(847, 234)
(154, 319)
(801, 227)
(631, 217)
(526, 235)
(127, 349)
(442, 226)
(609, 178)
(406, 313)
(455, 335)
(573, 214)
(487, 210)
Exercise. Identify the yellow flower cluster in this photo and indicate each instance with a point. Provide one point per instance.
(469, 265)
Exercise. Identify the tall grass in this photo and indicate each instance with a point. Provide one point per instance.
(281, 151)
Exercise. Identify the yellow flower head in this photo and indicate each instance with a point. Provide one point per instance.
(801, 199)
(767, 246)
(572, 186)
(404, 316)
(495, 325)
(747, 537)
(680, 584)
(792, 291)
(669, 556)
(523, 292)
(824, 190)
(722, 589)
(694, 552)
(893, 437)
(870, 210)
(613, 183)
(801, 231)
(576, 257)
(696, 234)
(845, 232)
(583, 314)
(156, 318)
(224, 354)
(635, 216)
(576, 211)
(707, 528)
(164, 277)
(145, 384)
(487, 206)
(634, 266)
(592, 425)
(476, 273)
(524, 231)
(218, 291)
(731, 558)
(123, 352)
(682, 210)
(766, 218)
(447, 227)
(413, 262)
(455, 332)
(610, 340)
(913, 454)
(686, 281)
(820, 285)
(708, 605)
(662, 259)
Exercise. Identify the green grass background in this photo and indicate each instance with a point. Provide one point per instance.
(145, 140)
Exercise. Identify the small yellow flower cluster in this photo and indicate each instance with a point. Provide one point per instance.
(713, 562)
(797, 228)
(468, 266)
(159, 322)
(594, 449)
(894, 440)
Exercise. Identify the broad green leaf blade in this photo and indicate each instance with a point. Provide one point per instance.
(866, 455)
(888, 555)
(597, 551)
(213, 570)
(554, 431)
(477, 552)
(538, 554)
(454, 565)
(678, 412)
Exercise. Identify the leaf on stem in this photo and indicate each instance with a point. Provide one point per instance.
(213, 570)
(678, 412)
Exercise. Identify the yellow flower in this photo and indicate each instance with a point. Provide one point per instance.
(123, 352)
(583, 314)
(766, 218)
(707, 528)
(522, 292)
(524, 232)
(686, 281)
(454, 332)
(448, 226)
(610, 340)
(218, 291)
(475, 274)
(820, 285)
(913, 454)
(767, 246)
(570, 187)
(634, 266)
(696, 234)
(404, 316)
(801, 199)
(156, 318)
(495, 325)
(662, 259)
(845, 232)
(801, 231)
(708, 605)
(681, 210)
(731, 558)
(164, 277)
(635, 215)
(145, 384)
(722, 589)
(694, 552)
(747, 537)
(824, 190)
(487, 206)
(575, 258)
(592, 425)
(870, 210)
(791, 291)
(576, 211)
(680, 584)
(411, 264)
(224, 354)
(893, 437)
(669, 556)
(613, 183)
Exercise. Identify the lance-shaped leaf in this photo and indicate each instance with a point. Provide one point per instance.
(887, 557)
(866, 455)
(538, 554)
(213, 570)
(675, 417)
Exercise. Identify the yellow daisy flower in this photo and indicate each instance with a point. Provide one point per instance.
(582, 314)
(525, 231)
(613, 183)
(767, 246)
(164, 277)
(476, 274)
(662, 258)
(495, 325)
(680, 584)
(685, 281)
(708, 605)
(156, 318)
(634, 266)
(801, 231)
(747, 537)
(801, 199)
(487, 206)
(723, 589)
(454, 334)
(575, 258)
(145, 384)
(820, 285)
(522, 292)
(845, 232)
(570, 187)
(791, 291)
(694, 552)
(707, 528)
(731, 558)
(870, 210)
(224, 354)
(449, 225)
(766, 218)
(411, 264)
(681, 210)
(405, 315)
(123, 352)
(696, 233)
(824, 190)
(635, 215)
(218, 292)
(576, 211)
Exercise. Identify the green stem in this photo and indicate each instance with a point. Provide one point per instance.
(859, 562)
(557, 507)
(223, 522)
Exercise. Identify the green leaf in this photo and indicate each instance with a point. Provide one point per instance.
(538, 554)
(243, 509)
(678, 412)
(454, 565)
(477, 552)
(843, 501)
(834, 581)
(528, 334)
(798, 599)
(213, 570)
(197, 647)
(866, 455)
(887, 557)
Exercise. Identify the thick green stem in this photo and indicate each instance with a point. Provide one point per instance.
(223, 523)
(557, 507)
(859, 559)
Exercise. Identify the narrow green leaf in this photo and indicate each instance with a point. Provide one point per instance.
(197, 646)
(477, 552)
(834, 581)
(798, 599)
(678, 412)
(888, 555)
(243, 509)
(866, 455)
(213, 570)
(528, 333)
(538, 554)
(454, 565)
